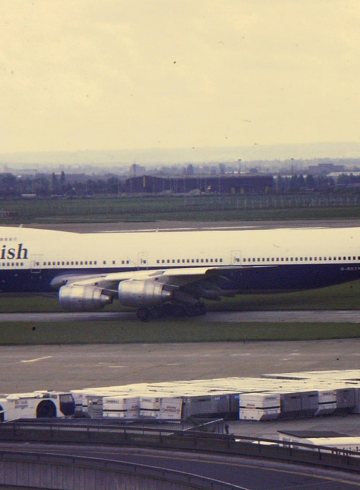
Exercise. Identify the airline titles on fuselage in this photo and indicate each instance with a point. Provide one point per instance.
(18, 253)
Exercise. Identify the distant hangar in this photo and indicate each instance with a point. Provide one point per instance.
(244, 184)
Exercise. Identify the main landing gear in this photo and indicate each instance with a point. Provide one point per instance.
(168, 309)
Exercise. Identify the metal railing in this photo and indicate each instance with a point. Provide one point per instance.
(116, 434)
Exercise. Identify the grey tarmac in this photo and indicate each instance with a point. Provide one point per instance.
(192, 225)
(64, 367)
(320, 316)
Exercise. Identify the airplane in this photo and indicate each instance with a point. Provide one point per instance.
(162, 273)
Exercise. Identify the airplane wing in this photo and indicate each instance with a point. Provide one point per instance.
(183, 285)
(171, 277)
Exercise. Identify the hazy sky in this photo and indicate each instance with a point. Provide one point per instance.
(114, 74)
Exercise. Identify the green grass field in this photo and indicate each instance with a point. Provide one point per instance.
(173, 330)
(175, 208)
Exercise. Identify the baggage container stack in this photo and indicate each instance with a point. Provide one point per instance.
(273, 396)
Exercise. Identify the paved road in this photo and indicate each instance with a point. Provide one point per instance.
(250, 474)
(238, 316)
(194, 225)
(286, 316)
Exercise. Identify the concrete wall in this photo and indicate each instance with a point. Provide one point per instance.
(75, 473)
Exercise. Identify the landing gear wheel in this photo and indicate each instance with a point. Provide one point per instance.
(143, 314)
(178, 310)
(202, 308)
(166, 310)
(196, 310)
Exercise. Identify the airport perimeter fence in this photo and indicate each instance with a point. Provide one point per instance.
(115, 434)
(153, 207)
(275, 201)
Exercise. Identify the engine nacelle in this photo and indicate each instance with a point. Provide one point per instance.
(83, 298)
(143, 293)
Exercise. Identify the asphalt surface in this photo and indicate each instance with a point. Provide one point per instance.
(65, 367)
(193, 225)
(340, 316)
(250, 474)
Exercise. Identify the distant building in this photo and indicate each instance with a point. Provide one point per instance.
(244, 184)
(325, 169)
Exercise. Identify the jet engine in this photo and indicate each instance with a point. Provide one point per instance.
(83, 298)
(143, 293)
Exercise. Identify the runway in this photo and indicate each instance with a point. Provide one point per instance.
(320, 316)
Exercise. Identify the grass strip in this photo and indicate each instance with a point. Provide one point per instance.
(167, 331)
(176, 208)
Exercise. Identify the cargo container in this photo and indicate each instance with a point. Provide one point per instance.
(345, 400)
(259, 406)
(124, 407)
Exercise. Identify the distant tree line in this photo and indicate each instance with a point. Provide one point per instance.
(315, 183)
(45, 185)
(52, 185)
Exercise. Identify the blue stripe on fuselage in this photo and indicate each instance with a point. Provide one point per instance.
(245, 279)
